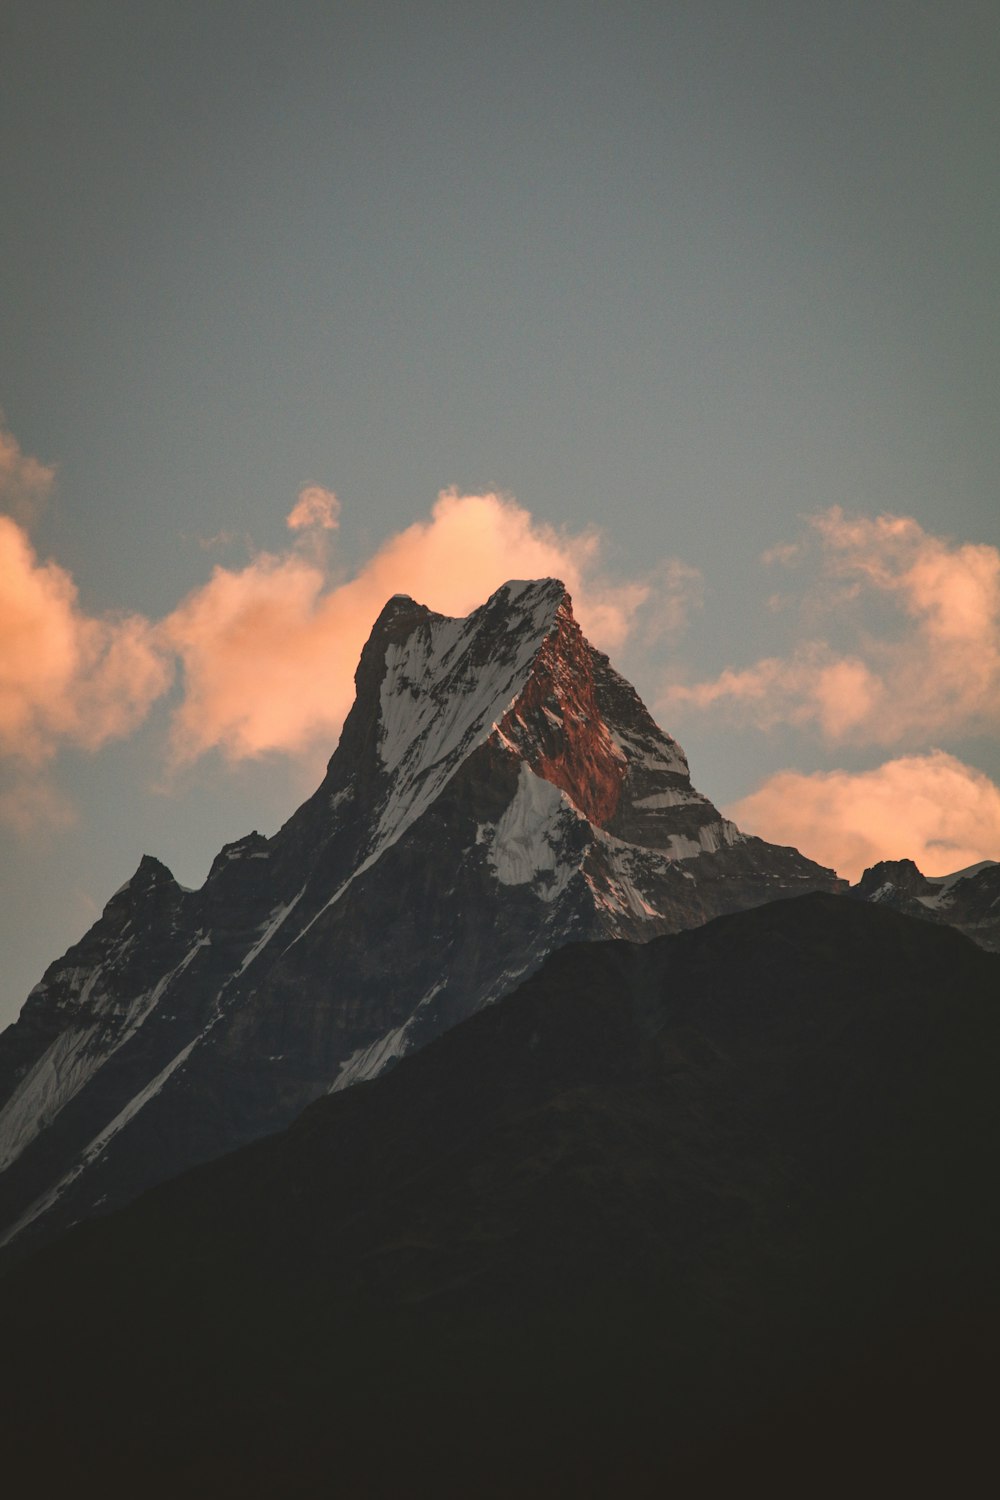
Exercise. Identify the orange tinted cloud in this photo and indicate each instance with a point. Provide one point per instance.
(269, 651)
(25, 483)
(262, 670)
(930, 808)
(940, 674)
(314, 507)
(474, 543)
(813, 686)
(65, 675)
(33, 806)
(675, 592)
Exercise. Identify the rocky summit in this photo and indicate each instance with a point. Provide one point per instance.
(498, 790)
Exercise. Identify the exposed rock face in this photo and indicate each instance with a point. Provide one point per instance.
(498, 790)
(968, 899)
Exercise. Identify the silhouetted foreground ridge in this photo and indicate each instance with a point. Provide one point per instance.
(716, 1210)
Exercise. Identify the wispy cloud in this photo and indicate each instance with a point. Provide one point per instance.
(31, 806)
(676, 592)
(931, 808)
(25, 482)
(314, 507)
(937, 674)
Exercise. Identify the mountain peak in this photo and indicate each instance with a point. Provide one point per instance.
(432, 688)
(498, 790)
(151, 879)
(893, 875)
(520, 599)
(968, 898)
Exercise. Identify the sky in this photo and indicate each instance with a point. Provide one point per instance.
(694, 305)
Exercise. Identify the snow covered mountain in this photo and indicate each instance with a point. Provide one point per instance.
(497, 791)
(969, 899)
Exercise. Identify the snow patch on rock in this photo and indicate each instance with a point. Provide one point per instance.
(271, 924)
(529, 838)
(368, 1062)
(437, 703)
(672, 797)
(711, 838)
(946, 883)
(72, 1060)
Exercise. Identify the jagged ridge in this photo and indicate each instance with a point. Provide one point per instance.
(968, 899)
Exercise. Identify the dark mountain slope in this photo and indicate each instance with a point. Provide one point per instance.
(719, 1209)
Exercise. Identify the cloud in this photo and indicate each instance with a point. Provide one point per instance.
(814, 686)
(938, 674)
(269, 651)
(211, 543)
(676, 591)
(65, 675)
(785, 553)
(33, 806)
(261, 669)
(25, 483)
(314, 507)
(930, 808)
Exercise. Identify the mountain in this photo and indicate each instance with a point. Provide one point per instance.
(498, 790)
(714, 1213)
(969, 899)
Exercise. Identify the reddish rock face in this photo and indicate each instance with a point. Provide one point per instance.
(557, 725)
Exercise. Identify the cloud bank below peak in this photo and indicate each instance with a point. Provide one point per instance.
(932, 808)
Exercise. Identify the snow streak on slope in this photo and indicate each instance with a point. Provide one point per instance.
(93, 1150)
(276, 920)
(368, 1062)
(71, 1061)
(57, 1075)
